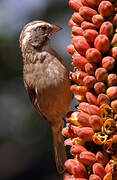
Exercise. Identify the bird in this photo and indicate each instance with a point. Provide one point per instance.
(46, 79)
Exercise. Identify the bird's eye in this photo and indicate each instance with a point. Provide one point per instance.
(44, 28)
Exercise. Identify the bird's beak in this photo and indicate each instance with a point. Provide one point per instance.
(56, 29)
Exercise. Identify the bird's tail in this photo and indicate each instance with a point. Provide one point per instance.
(59, 149)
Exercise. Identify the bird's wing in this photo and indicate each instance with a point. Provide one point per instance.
(33, 97)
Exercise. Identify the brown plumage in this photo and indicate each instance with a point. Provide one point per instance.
(46, 80)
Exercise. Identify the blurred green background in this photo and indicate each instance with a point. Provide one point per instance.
(26, 150)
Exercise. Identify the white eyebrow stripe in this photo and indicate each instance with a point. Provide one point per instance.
(34, 26)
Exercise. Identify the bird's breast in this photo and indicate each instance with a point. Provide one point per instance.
(47, 72)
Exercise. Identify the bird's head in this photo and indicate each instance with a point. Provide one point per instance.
(37, 33)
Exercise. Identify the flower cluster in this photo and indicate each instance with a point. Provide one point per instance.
(91, 130)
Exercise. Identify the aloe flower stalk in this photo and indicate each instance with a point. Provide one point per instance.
(91, 129)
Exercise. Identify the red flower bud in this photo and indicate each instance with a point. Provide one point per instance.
(112, 79)
(79, 61)
(96, 122)
(99, 87)
(101, 74)
(93, 55)
(83, 107)
(77, 31)
(91, 98)
(90, 68)
(102, 43)
(103, 99)
(83, 119)
(76, 168)
(97, 20)
(105, 8)
(78, 77)
(87, 13)
(90, 35)
(78, 89)
(87, 25)
(76, 149)
(89, 81)
(80, 44)
(93, 110)
(87, 158)
(90, 3)
(102, 157)
(107, 28)
(99, 170)
(75, 4)
(108, 63)
(112, 92)
(85, 133)
(77, 18)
